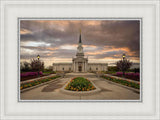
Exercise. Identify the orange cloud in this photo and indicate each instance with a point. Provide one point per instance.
(25, 31)
(49, 48)
(109, 49)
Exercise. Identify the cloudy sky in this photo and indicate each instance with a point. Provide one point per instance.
(56, 40)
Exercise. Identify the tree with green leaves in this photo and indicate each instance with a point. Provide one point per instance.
(25, 66)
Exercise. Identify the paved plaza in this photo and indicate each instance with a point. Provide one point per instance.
(109, 90)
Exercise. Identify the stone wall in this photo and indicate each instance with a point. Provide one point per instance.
(62, 67)
(97, 67)
(91, 67)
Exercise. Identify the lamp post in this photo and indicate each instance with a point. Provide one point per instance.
(38, 56)
(123, 64)
(124, 56)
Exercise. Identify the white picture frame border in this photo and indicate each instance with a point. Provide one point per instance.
(100, 115)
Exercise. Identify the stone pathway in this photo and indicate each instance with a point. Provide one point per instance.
(109, 90)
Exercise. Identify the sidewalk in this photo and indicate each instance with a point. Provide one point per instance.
(37, 78)
(109, 90)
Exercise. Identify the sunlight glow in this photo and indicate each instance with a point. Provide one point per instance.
(37, 44)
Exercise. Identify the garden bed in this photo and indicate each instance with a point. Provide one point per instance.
(79, 86)
(128, 75)
(36, 82)
(31, 75)
(123, 82)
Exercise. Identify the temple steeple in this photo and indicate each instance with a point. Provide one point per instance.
(80, 48)
(80, 41)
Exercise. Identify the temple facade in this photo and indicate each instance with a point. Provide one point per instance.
(80, 63)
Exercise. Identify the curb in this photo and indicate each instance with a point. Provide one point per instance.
(30, 88)
(80, 92)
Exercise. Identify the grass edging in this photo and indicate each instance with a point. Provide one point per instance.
(38, 85)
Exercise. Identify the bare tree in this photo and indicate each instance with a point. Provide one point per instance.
(124, 65)
(37, 65)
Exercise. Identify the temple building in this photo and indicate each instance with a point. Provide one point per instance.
(80, 63)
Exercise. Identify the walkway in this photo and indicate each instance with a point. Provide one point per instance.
(109, 90)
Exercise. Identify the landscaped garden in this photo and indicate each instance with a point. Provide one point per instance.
(80, 84)
(34, 69)
(129, 75)
(37, 82)
(32, 75)
(123, 69)
(123, 82)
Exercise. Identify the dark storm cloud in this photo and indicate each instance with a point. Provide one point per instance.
(110, 54)
(126, 34)
(118, 34)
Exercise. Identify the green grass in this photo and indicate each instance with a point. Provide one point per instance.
(110, 72)
(80, 84)
(48, 72)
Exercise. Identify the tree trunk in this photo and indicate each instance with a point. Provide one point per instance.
(123, 74)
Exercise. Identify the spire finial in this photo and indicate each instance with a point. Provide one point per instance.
(80, 36)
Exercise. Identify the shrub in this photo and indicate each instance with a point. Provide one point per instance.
(112, 68)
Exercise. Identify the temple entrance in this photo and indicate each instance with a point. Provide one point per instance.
(80, 68)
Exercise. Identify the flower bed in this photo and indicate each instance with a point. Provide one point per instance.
(133, 76)
(80, 84)
(36, 82)
(30, 74)
(123, 82)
